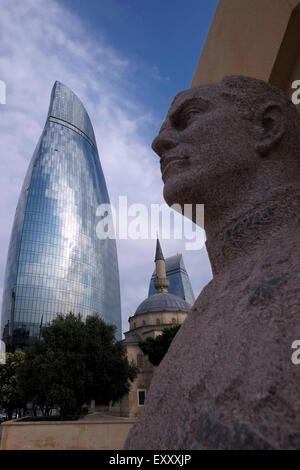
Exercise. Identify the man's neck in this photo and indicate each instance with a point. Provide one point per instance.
(237, 233)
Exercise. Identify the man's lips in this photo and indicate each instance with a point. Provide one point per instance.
(167, 162)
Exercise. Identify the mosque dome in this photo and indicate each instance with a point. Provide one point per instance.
(163, 302)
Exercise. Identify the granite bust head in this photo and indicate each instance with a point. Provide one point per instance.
(234, 146)
(223, 140)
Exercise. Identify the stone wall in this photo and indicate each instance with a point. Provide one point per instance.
(65, 435)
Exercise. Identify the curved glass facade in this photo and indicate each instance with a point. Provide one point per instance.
(180, 283)
(56, 263)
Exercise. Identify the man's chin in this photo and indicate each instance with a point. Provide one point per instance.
(178, 192)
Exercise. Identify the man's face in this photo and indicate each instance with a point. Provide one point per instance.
(201, 146)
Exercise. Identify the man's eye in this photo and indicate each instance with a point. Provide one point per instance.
(191, 112)
(182, 119)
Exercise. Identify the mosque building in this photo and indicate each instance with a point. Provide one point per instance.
(158, 311)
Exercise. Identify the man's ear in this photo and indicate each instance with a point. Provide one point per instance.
(270, 123)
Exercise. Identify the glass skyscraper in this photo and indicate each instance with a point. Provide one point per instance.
(56, 263)
(180, 283)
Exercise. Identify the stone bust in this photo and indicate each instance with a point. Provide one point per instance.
(227, 381)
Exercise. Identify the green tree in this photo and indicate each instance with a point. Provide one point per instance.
(107, 364)
(73, 362)
(10, 396)
(156, 348)
(47, 377)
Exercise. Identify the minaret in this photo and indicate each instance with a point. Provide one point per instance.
(161, 282)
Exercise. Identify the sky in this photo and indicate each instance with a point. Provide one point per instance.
(126, 60)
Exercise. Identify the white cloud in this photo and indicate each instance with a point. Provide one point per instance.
(42, 42)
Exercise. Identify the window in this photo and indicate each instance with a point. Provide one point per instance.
(173, 320)
(141, 396)
(158, 321)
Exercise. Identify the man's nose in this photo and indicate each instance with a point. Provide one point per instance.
(161, 144)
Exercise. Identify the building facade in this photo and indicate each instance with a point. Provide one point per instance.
(257, 38)
(56, 263)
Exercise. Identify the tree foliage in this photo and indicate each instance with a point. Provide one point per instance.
(156, 348)
(107, 363)
(10, 396)
(75, 361)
